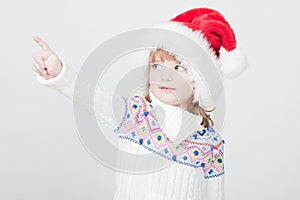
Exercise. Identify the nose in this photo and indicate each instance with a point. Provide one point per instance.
(166, 75)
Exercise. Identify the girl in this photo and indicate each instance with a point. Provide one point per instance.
(172, 86)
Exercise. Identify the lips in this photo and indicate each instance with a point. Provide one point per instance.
(166, 88)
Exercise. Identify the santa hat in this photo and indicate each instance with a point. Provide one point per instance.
(213, 33)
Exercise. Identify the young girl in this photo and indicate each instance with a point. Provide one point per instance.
(197, 168)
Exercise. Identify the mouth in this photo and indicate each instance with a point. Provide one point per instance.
(166, 88)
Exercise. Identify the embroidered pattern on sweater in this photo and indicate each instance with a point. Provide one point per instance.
(203, 148)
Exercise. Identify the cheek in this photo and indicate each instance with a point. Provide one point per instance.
(186, 89)
(152, 83)
(192, 84)
(152, 77)
(186, 84)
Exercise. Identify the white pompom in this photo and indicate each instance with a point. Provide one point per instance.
(232, 63)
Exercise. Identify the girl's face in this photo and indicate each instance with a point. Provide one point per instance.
(169, 82)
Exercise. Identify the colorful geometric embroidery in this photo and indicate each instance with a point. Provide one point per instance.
(203, 148)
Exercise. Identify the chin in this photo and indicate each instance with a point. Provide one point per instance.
(165, 97)
(167, 100)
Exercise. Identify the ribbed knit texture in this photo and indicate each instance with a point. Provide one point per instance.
(173, 182)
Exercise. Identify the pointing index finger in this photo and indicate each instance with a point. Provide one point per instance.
(42, 44)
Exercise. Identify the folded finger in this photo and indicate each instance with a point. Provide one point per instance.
(36, 70)
(39, 60)
(39, 68)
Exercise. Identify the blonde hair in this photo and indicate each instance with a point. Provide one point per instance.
(195, 108)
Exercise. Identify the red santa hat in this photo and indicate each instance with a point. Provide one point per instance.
(213, 33)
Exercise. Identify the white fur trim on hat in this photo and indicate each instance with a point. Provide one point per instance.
(196, 36)
(229, 64)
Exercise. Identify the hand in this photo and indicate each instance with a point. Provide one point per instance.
(46, 63)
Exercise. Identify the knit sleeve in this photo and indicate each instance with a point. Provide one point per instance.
(65, 82)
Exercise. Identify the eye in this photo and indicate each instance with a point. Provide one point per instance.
(155, 66)
(179, 68)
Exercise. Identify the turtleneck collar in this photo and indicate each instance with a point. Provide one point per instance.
(156, 101)
(175, 120)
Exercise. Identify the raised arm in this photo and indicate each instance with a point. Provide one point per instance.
(53, 72)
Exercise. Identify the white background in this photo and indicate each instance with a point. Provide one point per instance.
(41, 156)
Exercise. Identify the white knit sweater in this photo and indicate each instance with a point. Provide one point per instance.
(176, 182)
